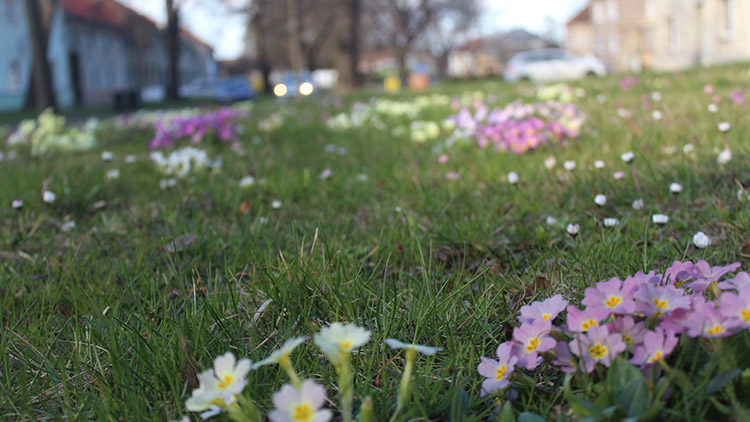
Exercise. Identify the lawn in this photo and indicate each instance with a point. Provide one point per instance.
(375, 221)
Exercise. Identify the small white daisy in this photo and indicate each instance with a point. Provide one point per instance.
(638, 204)
(569, 165)
(700, 240)
(675, 188)
(600, 200)
(660, 219)
(572, 229)
(513, 177)
(598, 164)
(628, 157)
(611, 222)
(724, 127)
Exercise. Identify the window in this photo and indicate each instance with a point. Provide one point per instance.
(614, 42)
(14, 81)
(727, 12)
(597, 12)
(613, 10)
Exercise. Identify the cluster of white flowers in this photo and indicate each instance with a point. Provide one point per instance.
(183, 161)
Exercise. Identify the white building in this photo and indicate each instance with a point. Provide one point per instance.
(96, 48)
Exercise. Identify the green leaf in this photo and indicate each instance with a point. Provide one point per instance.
(507, 414)
(628, 387)
(718, 382)
(530, 417)
(459, 405)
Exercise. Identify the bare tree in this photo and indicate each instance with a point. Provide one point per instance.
(41, 88)
(173, 49)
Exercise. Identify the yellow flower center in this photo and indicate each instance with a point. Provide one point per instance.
(598, 351)
(533, 344)
(501, 372)
(658, 355)
(627, 339)
(590, 323)
(660, 303)
(745, 314)
(226, 382)
(613, 301)
(302, 413)
(546, 316)
(345, 345)
(716, 329)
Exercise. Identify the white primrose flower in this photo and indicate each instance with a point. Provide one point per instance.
(303, 405)
(569, 165)
(247, 181)
(600, 200)
(627, 157)
(282, 354)
(700, 240)
(675, 188)
(48, 196)
(660, 219)
(513, 178)
(338, 340)
(572, 229)
(219, 386)
(724, 127)
(611, 222)
(425, 350)
(724, 157)
(638, 204)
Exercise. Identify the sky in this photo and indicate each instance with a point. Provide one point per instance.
(225, 31)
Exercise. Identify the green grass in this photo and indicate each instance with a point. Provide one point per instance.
(104, 323)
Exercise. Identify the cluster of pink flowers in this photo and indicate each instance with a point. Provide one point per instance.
(640, 317)
(221, 122)
(628, 82)
(520, 127)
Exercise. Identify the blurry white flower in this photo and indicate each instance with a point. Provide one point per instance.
(670, 150)
(551, 220)
(688, 148)
(17, 204)
(601, 98)
(599, 164)
(619, 175)
(600, 200)
(550, 162)
(325, 174)
(113, 174)
(280, 355)
(48, 197)
(713, 108)
(700, 240)
(513, 177)
(131, 158)
(675, 188)
(68, 225)
(724, 157)
(656, 96)
(300, 405)
(657, 115)
(660, 219)
(611, 222)
(724, 126)
(741, 195)
(263, 220)
(623, 113)
(569, 165)
(330, 148)
(362, 177)
(108, 156)
(425, 350)
(628, 157)
(247, 181)
(572, 229)
(276, 204)
(338, 340)
(638, 204)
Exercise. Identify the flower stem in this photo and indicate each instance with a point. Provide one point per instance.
(346, 387)
(403, 392)
(286, 363)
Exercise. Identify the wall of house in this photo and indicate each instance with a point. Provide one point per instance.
(580, 38)
(15, 57)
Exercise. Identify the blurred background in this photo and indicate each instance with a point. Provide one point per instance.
(122, 54)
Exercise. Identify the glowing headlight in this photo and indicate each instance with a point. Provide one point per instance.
(306, 88)
(279, 90)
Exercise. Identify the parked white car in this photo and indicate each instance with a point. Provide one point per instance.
(552, 64)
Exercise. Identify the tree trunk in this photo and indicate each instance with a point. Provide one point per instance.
(401, 60)
(355, 12)
(41, 82)
(256, 25)
(296, 57)
(173, 50)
